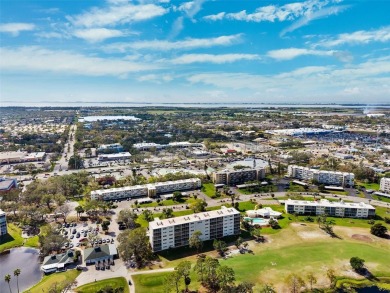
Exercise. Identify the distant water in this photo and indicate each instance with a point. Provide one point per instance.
(97, 118)
(184, 105)
(23, 258)
(369, 290)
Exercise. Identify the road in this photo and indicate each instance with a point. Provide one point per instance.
(62, 163)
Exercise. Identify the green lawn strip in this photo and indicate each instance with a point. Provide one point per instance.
(48, 281)
(208, 189)
(12, 239)
(263, 189)
(32, 241)
(316, 255)
(168, 202)
(155, 283)
(374, 186)
(380, 198)
(96, 286)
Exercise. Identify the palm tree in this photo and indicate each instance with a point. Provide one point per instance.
(16, 274)
(7, 278)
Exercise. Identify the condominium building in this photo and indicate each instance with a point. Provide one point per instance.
(321, 176)
(3, 223)
(176, 232)
(330, 208)
(385, 185)
(150, 190)
(234, 177)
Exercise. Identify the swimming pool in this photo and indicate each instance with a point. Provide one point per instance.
(257, 221)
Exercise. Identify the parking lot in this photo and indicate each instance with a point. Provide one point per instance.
(85, 233)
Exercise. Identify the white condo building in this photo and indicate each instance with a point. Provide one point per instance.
(330, 208)
(385, 185)
(234, 177)
(176, 232)
(321, 176)
(150, 190)
(3, 223)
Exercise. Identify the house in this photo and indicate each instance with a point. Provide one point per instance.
(101, 253)
(266, 212)
(57, 262)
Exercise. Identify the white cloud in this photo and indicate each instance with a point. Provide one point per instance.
(96, 35)
(187, 44)
(156, 78)
(15, 28)
(273, 13)
(38, 59)
(191, 8)
(291, 53)
(210, 58)
(309, 17)
(215, 17)
(118, 13)
(358, 37)
(177, 27)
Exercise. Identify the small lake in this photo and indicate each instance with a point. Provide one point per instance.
(23, 258)
(369, 290)
(107, 118)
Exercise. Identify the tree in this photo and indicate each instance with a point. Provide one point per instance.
(79, 211)
(244, 287)
(239, 241)
(267, 288)
(378, 230)
(148, 215)
(172, 281)
(226, 277)
(64, 210)
(195, 241)
(128, 218)
(50, 241)
(295, 283)
(200, 266)
(7, 278)
(210, 268)
(184, 269)
(135, 244)
(75, 162)
(312, 280)
(220, 246)
(357, 263)
(199, 206)
(177, 196)
(330, 273)
(167, 213)
(16, 274)
(105, 225)
(256, 232)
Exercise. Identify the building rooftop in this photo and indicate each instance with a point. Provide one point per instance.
(6, 183)
(325, 202)
(157, 223)
(100, 251)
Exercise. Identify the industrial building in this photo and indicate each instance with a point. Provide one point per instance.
(146, 146)
(110, 148)
(149, 190)
(176, 232)
(114, 157)
(21, 157)
(6, 184)
(330, 208)
(321, 176)
(235, 177)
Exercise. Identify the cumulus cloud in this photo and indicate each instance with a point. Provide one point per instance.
(186, 44)
(291, 53)
(15, 28)
(357, 37)
(96, 35)
(210, 58)
(118, 13)
(38, 59)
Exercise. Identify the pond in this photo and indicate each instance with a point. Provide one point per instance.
(369, 290)
(23, 258)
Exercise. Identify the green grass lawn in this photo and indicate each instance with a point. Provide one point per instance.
(95, 286)
(32, 241)
(374, 186)
(168, 202)
(12, 239)
(381, 198)
(48, 281)
(155, 283)
(208, 189)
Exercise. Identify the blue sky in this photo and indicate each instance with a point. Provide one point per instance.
(327, 51)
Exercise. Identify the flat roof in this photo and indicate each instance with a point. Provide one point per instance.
(325, 202)
(224, 211)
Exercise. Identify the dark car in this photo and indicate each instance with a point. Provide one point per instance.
(78, 235)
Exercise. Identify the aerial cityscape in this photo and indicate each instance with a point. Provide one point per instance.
(163, 146)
